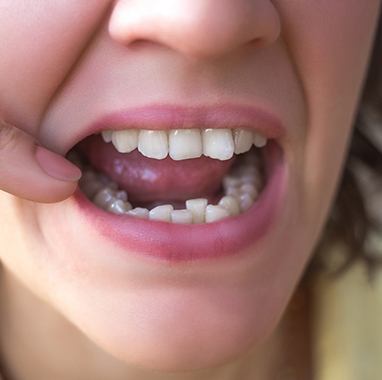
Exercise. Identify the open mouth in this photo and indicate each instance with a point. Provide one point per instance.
(187, 176)
(182, 184)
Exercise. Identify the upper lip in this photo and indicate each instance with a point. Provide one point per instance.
(163, 117)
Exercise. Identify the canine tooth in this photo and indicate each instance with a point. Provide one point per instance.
(125, 141)
(215, 213)
(153, 144)
(259, 140)
(185, 144)
(162, 213)
(246, 201)
(139, 212)
(107, 136)
(197, 207)
(104, 197)
(231, 204)
(218, 143)
(181, 216)
(119, 207)
(243, 140)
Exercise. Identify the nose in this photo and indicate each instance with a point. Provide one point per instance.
(196, 28)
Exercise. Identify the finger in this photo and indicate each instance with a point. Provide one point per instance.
(32, 172)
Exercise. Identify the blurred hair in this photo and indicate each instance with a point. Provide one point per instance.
(351, 222)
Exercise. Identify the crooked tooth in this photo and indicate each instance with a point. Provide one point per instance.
(185, 144)
(218, 143)
(181, 216)
(153, 144)
(125, 141)
(231, 204)
(243, 140)
(259, 140)
(215, 213)
(197, 207)
(119, 207)
(162, 213)
(139, 212)
(107, 136)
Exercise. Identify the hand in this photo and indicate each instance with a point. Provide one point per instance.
(32, 172)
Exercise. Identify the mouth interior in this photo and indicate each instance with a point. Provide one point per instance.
(122, 183)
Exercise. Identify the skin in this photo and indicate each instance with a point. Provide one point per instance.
(68, 62)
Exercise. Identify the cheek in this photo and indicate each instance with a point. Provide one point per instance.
(330, 43)
(38, 47)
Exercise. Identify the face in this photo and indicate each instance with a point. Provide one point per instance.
(290, 70)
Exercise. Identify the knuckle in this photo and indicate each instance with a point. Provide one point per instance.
(8, 136)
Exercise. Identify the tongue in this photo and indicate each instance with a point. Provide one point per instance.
(149, 180)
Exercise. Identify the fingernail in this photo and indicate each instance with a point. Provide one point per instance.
(57, 166)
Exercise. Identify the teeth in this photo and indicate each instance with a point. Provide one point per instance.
(122, 195)
(181, 216)
(119, 207)
(243, 140)
(89, 184)
(218, 143)
(162, 213)
(153, 144)
(246, 201)
(249, 189)
(241, 188)
(104, 197)
(185, 144)
(215, 213)
(139, 212)
(125, 141)
(230, 204)
(259, 140)
(107, 136)
(197, 207)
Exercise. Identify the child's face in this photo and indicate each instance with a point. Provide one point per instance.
(66, 63)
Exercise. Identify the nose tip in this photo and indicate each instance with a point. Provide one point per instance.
(197, 28)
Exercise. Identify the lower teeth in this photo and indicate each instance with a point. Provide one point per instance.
(241, 188)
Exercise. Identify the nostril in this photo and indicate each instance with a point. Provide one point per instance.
(198, 28)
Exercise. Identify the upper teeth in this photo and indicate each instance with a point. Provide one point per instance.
(183, 144)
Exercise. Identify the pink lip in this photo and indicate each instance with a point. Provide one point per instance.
(180, 243)
(159, 116)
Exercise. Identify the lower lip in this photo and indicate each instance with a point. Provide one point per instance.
(181, 243)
